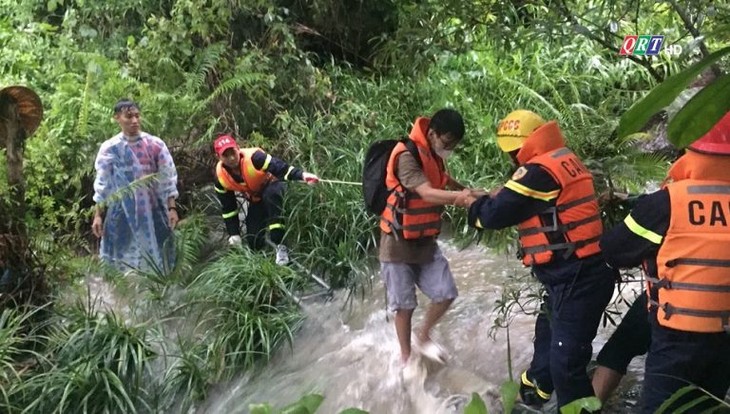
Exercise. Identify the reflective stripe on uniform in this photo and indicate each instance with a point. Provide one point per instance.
(286, 176)
(529, 192)
(708, 189)
(219, 190)
(559, 153)
(229, 215)
(541, 393)
(266, 163)
(275, 226)
(637, 229)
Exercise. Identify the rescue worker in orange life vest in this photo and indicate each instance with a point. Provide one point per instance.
(551, 199)
(259, 178)
(685, 229)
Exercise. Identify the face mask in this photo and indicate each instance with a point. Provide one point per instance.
(444, 154)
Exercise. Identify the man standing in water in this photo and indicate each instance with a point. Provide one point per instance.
(136, 228)
(552, 201)
(409, 255)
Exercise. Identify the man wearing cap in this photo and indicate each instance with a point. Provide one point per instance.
(259, 177)
(551, 199)
(683, 231)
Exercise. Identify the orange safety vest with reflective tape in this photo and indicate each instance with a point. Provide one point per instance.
(692, 286)
(575, 215)
(254, 180)
(406, 212)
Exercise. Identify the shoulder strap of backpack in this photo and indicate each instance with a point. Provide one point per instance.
(413, 149)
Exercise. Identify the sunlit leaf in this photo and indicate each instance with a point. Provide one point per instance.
(476, 405)
(589, 404)
(508, 391)
(354, 411)
(260, 409)
(311, 402)
(701, 113)
(676, 396)
(663, 94)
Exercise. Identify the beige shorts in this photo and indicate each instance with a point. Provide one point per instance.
(434, 279)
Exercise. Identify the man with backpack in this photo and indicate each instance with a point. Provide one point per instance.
(416, 179)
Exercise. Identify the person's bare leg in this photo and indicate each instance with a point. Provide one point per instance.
(403, 330)
(433, 315)
(605, 381)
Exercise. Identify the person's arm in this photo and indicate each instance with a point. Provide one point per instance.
(640, 234)
(531, 191)
(452, 184)
(276, 167)
(443, 197)
(627, 200)
(229, 209)
(414, 179)
(168, 182)
(102, 186)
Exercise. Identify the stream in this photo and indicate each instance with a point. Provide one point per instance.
(349, 353)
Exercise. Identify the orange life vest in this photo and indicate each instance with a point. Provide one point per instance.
(406, 212)
(576, 215)
(254, 180)
(693, 262)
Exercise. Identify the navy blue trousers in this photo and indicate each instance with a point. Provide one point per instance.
(263, 214)
(564, 332)
(678, 358)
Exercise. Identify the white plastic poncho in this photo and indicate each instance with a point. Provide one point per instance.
(136, 231)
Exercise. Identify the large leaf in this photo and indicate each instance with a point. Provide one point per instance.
(701, 113)
(676, 396)
(663, 94)
(508, 391)
(476, 405)
(589, 404)
(260, 409)
(308, 404)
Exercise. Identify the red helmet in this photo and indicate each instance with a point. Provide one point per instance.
(716, 141)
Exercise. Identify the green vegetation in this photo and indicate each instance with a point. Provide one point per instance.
(313, 82)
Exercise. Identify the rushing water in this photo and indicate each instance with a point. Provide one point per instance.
(350, 354)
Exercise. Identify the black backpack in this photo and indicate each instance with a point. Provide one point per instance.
(374, 190)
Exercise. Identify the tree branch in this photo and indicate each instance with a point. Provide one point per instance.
(583, 30)
(695, 33)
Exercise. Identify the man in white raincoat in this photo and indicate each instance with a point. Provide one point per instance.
(135, 221)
